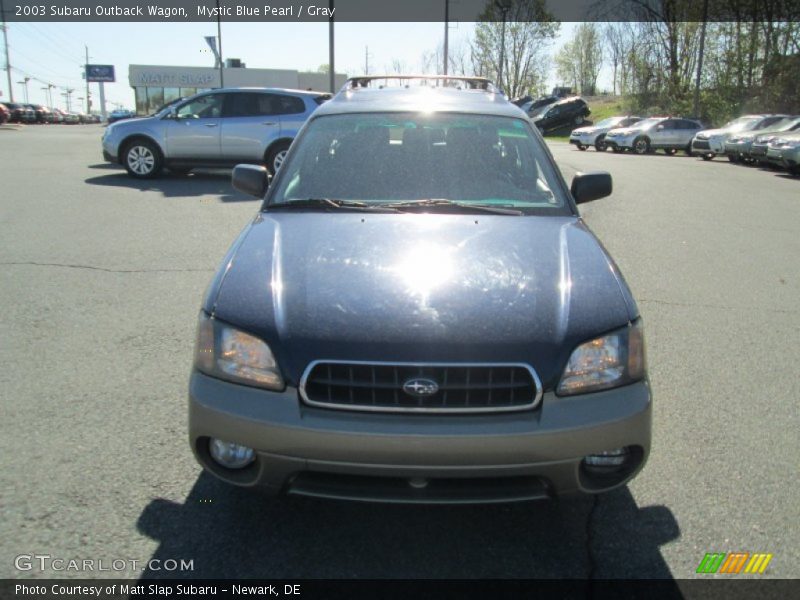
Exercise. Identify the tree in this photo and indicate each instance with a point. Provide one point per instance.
(530, 30)
(580, 59)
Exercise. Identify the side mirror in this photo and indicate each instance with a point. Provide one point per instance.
(250, 179)
(591, 186)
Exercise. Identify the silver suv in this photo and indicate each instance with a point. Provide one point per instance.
(657, 133)
(219, 128)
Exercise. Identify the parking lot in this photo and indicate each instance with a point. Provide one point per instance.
(101, 278)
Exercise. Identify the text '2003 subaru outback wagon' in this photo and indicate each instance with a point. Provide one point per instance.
(419, 314)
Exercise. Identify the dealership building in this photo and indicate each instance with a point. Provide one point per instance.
(156, 85)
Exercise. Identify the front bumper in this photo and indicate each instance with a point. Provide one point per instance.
(582, 139)
(302, 449)
(741, 150)
(625, 143)
(775, 156)
(791, 158)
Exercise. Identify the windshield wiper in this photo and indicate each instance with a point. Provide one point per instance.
(450, 204)
(328, 203)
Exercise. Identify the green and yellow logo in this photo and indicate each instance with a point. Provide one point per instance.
(734, 563)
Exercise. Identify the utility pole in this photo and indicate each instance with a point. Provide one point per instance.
(331, 68)
(446, 31)
(86, 75)
(5, 42)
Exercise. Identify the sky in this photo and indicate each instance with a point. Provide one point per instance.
(55, 52)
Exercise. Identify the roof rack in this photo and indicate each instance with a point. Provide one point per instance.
(472, 83)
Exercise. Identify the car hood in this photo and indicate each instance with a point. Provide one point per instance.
(708, 133)
(411, 287)
(586, 130)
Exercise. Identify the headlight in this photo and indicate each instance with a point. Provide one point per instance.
(792, 144)
(609, 361)
(225, 352)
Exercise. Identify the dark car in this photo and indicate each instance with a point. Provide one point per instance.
(5, 114)
(20, 113)
(120, 114)
(42, 113)
(563, 113)
(418, 313)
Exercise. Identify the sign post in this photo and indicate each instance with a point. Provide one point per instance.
(101, 74)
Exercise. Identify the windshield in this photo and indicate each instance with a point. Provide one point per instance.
(610, 122)
(741, 124)
(645, 123)
(539, 110)
(787, 124)
(383, 158)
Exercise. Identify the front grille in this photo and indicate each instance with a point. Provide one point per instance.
(701, 144)
(379, 387)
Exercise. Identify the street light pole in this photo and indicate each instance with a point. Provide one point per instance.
(700, 61)
(24, 84)
(219, 41)
(331, 68)
(86, 74)
(446, 32)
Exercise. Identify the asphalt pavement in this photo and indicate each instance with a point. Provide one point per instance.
(101, 278)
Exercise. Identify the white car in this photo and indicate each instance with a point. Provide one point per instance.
(595, 135)
(710, 142)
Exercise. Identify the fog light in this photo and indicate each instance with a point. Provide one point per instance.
(230, 455)
(608, 458)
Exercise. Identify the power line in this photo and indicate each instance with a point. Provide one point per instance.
(41, 66)
(52, 46)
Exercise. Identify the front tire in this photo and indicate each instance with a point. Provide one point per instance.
(276, 156)
(142, 159)
(600, 144)
(670, 151)
(708, 156)
(582, 148)
(641, 146)
(578, 120)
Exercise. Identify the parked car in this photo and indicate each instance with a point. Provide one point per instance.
(569, 111)
(90, 118)
(120, 114)
(71, 118)
(621, 139)
(710, 142)
(58, 115)
(42, 113)
(419, 314)
(222, 127)
(533, 105)
(20, 113)
(785, 152)
(5, 114)
(752, 146)
(595, 135)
